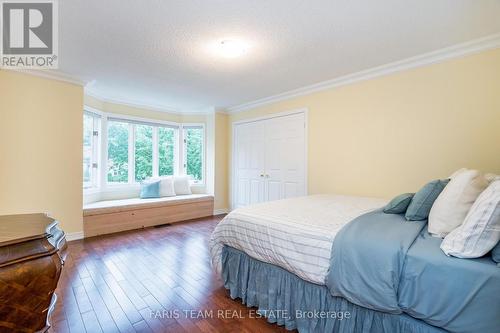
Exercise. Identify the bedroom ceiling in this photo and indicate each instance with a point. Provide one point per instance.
(160, 53)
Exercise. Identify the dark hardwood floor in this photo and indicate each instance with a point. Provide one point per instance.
(151, 280)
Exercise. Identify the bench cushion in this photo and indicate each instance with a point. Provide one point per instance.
(115, 206)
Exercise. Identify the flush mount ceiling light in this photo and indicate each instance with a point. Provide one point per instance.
(231, 48)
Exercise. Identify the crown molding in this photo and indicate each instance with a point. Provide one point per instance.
(451, 52)
(221, 111)
(145, 106)
(49, 74)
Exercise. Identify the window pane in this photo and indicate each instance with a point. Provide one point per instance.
(166, 139)
(143, 152)
(88, 128)
(194, 152)
(117, 152)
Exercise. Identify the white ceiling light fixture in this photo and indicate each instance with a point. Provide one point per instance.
(232, 48)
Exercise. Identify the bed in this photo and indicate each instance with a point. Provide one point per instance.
(307, 262)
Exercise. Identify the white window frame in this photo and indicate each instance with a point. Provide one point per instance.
(179, 150)
(95, 164)
(183, 155)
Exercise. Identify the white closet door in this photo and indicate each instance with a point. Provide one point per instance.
(250, 163)
(285, 157)
(270, 160)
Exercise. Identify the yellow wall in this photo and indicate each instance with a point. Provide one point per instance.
(221, 161)
(41, 148)
(392, 134)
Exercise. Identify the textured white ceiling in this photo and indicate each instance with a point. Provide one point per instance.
(158, 52)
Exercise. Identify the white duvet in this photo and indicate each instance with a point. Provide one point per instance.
(296, 234)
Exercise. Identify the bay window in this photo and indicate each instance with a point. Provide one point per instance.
(135, 149)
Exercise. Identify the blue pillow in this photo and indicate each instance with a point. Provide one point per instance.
(421, 204)
(495, 253)
(150, 190)
(399, 204)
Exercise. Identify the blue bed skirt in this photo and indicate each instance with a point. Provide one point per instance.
(289, 301)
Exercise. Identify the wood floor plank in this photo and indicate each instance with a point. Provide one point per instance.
(90, 322)
(142, 327)
(150, 280)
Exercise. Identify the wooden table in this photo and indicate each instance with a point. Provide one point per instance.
(32, 253)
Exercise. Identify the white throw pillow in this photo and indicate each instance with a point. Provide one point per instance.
(181, 185)
(459, 171)
(452, 205)
(166, 185)
(480, 231)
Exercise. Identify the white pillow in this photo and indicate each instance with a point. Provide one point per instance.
(459, 171)
(166, 185)
(480, 231)
(181, 185)
(453, 204)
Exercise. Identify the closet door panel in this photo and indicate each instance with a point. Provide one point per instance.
(250, 184)
(285, 156)
(270, 160)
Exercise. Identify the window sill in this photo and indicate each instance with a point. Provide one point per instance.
(91, 190)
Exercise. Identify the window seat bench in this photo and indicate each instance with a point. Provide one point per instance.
(105, 217)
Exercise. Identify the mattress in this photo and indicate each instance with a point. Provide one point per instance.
(296, 234)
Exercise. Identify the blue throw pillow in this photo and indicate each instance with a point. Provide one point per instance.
(399, 204)
(495, 253)
(150, 190)
(421, 204)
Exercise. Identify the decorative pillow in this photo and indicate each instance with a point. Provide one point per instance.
(150, 189)
(456, 173)
(166, 185)
(399, 204)
(495, 253)
(181, 185)
(422, 201)
(480, 231)
(453, 204)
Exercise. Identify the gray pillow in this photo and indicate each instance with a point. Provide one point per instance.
(495, 253)
(399, 204)
(422, 201)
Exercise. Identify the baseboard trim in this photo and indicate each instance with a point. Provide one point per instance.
(71, 236)
(221, 211)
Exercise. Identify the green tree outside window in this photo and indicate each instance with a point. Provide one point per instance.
(143, 152)
(117, 152)
(194, 152)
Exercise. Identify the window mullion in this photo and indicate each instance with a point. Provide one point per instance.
(103, 155)
(182, 151)
(131, 153)
(176, 151)
(95, 151)
(156, 152)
